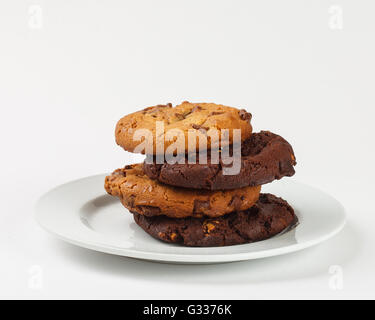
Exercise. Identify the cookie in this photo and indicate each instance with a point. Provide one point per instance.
(265, 157)
(185, 117)
(142, 195)
(268, 217)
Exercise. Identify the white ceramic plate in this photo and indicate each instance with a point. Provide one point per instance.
(81, 213)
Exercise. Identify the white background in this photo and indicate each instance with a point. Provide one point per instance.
(66, 79)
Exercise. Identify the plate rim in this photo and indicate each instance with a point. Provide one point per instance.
(182, 257)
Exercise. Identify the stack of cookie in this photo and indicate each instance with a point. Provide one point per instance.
(197, 204)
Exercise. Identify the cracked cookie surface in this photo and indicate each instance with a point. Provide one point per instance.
(185, 117)
(268, 217)
(140, 194)
(265, 157)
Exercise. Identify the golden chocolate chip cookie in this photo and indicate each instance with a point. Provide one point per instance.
(207, 120)
(148, 197)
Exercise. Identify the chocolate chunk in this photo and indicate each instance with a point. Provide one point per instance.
(244, 115)
(215, 113)
(180, 116)
(149, 210)
(196, 108)
(199, 206)
(199, 127)
(235, 202)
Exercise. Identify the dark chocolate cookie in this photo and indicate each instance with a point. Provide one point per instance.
(265, 157)
(268, 217)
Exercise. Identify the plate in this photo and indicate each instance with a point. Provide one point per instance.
(81, 213)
